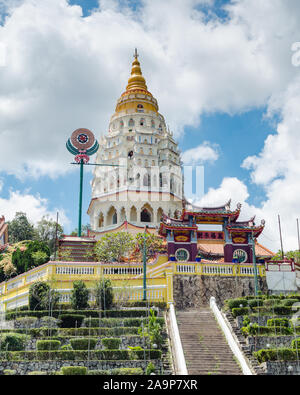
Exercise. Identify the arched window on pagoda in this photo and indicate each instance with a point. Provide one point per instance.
(147, 180)
(121, 124)
(142, 122)
(131, 122)
(152, 124)
(145, 215)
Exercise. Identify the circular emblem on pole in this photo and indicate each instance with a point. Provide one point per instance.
(82, 139)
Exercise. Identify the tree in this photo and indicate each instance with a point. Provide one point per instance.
(79, 295)
(104, 294)
(153, 244)
(42, 297)
(45, 231)
(20, 228)
(289, 255)
(114, 246)
(84, 230)
(34, 254)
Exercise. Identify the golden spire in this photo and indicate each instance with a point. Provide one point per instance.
(136, 80)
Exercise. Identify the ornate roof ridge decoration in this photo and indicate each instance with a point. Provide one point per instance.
(209, 255)
(256, 229)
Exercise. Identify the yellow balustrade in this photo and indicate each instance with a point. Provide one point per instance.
(126, 278)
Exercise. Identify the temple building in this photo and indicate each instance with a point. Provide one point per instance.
(143, 177)
(189, 239)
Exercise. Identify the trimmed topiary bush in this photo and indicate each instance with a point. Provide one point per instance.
(43, 345)
(71, 320)
(37, 373)
(83, 343)
(74, 370)
(112, 343)
(280, 354)
(236, 303)
(240, 311)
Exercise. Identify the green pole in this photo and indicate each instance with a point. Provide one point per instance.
(255, 267)
(80, 198)
(144, 269)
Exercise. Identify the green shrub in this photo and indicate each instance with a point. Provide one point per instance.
(70, 320)
(46, 320)
(112, 343)
(108, 332)
(9, 372)
(127, 371)
(99, 372)
(79, 295)
(256, 330)
(43, 345)
(280, 354)
(150, 368)
(83, 343)
(66, 347)
(74, 370)
(278, 322)
(238, 311)
(104, 294)
(255, 303)
(289, 302)
(13, 341)
(283, 310)
(237, 303)
(296, 344)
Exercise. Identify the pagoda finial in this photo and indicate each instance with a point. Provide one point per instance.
(136, 79)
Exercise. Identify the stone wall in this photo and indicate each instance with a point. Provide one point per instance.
(23, 368)
(259, 342)
(196, 291)
(281, 368)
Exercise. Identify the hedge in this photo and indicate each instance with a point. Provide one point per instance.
(74, 370)
(296, 344)
(256, 330)
(112, 343)
(116, 322)
(240, 311)
(280, 354)
(83, 343)
(11, 315)
(278, 322)
(75, 355)
(70, 320)
(255, 303)
(13, 341)
(43, 345)
(236, 303)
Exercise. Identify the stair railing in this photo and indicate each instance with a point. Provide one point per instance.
(229, 337)
(180, 365)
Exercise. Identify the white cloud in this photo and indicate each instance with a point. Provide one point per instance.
(69, 74)
(205, 152)
(34, 206)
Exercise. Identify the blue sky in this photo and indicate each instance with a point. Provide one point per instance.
(223, 79)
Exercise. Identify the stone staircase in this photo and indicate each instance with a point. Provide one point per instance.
(204, 345)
